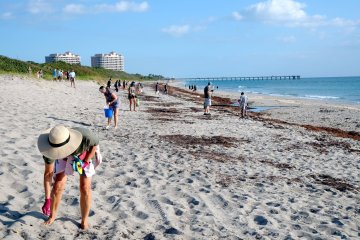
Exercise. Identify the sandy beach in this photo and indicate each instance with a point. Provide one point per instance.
(169, 172)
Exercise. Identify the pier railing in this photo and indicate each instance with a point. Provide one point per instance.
(293, 77)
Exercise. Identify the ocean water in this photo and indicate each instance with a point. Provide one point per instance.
(341, 89)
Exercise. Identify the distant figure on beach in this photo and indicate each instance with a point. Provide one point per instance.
(113, 103)
(138, 88)
(243, 101)
(72, 78)
(108, 83)
(207, 99)
(67, 75)
(189, 87)
(195, 88)
(60, 75)
(62, 146)
(55, 74)
(132, 96)
(166, 89)
(124, 85)
(157, 88)
(116, 85)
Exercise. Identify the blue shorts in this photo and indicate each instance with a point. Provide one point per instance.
(114, 106)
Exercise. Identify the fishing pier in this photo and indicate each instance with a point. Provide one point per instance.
(291, 77)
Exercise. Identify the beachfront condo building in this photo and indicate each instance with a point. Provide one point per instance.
(67, 57)
(111, 61)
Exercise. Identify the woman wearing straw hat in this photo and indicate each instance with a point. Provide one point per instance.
(63, 146)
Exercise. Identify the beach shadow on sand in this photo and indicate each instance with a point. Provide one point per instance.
(67, 120)
(15, 216)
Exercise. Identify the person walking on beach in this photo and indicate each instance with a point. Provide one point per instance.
(116, 86)
(72, 78)
(243, 101)
(113, 103)
(60, 75)
(166, 89)
(132, 96)
(55, 74)
(207, 99)
(108, 83)
(61, 147)
(157, 88)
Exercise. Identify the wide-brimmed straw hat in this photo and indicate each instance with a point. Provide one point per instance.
(59, 142)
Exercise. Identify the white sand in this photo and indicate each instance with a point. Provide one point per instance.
(262, 182)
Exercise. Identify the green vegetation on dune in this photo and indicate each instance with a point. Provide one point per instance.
(9, 65)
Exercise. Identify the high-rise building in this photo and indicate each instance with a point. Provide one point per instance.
(67, 57)
(111, 61)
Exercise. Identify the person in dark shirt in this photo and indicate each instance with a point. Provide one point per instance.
(113, 103)
(207, 99)
(157, 88)
(132, 96)
(109, 83)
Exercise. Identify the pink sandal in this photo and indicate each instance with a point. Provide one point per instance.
(46, 207)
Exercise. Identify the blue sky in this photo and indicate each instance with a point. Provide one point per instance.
(191, 38)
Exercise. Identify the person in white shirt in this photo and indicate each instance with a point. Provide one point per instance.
(243, 101)
(72, 78)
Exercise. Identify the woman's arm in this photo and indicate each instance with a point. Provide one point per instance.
(90, 154)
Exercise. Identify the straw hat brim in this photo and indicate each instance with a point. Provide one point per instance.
(59, 152)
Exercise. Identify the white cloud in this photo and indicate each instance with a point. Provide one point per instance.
(75, 8)
(279, 10)
(237, 16)
(340, 22)
(123, 6)
(39, 7)
(120, 6)
(289, 13)
(177, 30)
(6, 15)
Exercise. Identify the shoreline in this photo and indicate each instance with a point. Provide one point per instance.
(286, 98)
(319, 113)
(326, 96)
